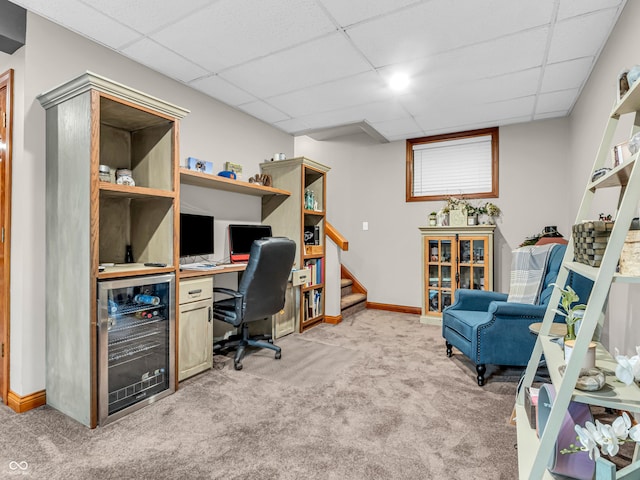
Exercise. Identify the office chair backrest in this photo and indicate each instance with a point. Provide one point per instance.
(264, 281)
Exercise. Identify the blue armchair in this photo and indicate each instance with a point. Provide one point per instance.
(489, 330)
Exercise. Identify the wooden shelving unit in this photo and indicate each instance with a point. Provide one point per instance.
(533, 452)
(94, 121)
(290, 217)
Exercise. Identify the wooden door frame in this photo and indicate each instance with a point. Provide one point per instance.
(6, 80)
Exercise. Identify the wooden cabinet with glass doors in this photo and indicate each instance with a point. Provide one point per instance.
(454, 258)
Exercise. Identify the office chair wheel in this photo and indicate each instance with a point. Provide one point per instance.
(278, 355)
(237, 365)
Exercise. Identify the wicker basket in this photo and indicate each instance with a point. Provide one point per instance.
(590, 240)
(630, 255)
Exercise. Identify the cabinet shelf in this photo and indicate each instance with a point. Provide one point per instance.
(614, 394)
(132, 270)
(199, 179)
(629, 103)
(616, 177)
(318, 213)
(592, 272)
(126, 191)
(317, 286)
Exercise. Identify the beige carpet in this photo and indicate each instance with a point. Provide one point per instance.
(375, 398)
(304, 363)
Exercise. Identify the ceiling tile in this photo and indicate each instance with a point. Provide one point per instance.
(566, 75)
(581, 36)
(474, 114)
(561, 101)
(230, 32)
(146, 15)
(519, 52)
(263, 111)
(222, 90)
(357, 90)
(83, 19)
(400, 126)
(371, 112)
(328, 58)
(543, 116)
(571, 8)
(148, 52)
(420, 31)
(293, 125)
(354, 11)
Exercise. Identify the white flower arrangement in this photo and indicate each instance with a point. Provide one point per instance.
(600, 437)
(628, 369)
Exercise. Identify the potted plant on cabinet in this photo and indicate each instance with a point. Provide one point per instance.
(472, 215)
(433, 219)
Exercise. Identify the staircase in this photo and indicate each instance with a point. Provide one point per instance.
(350, 301)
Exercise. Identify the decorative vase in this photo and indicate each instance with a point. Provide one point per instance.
(571, 332)
(472, 220)
(433, 220)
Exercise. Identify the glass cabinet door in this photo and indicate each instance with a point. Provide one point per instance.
(136, 322)
(472, 270)
(440, 272)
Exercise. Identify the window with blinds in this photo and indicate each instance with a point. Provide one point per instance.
(459, 164)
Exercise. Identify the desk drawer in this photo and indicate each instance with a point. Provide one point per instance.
(195, 289)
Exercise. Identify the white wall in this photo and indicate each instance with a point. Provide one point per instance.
(369, 180)
(212, 131)
(588, 121)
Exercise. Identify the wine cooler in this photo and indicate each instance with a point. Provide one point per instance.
(136, 350)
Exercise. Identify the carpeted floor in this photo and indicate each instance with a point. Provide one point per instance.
(372, 398)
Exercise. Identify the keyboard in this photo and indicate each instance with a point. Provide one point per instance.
(199, 266)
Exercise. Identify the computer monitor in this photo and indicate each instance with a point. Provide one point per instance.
(196, 234)
(241, 238)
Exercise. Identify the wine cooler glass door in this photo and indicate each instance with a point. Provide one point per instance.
(136, 347)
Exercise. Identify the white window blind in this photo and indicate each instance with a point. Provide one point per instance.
(452, 167)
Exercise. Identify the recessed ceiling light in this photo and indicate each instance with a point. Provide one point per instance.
(399, 82)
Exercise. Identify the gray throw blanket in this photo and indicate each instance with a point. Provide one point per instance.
(528, 267)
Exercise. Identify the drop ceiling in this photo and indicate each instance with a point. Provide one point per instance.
(322, 66)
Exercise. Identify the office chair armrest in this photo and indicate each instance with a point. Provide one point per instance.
(238, 300)
(227, 291)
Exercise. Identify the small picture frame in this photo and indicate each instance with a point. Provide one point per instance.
(199, 165)
(235, 168)
(621, 153)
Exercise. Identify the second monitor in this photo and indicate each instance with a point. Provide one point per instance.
(241, 238)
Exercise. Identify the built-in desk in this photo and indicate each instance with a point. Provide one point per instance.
(195, 324)
(214, 271)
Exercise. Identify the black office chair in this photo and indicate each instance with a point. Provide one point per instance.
(260, 294)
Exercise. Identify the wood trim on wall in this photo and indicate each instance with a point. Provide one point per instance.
(333, 320)
(336, 236)
(6, 80)
(357, 287)
(394, 308)
(29, 402)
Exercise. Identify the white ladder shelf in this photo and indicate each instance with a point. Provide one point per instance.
(534, 453)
